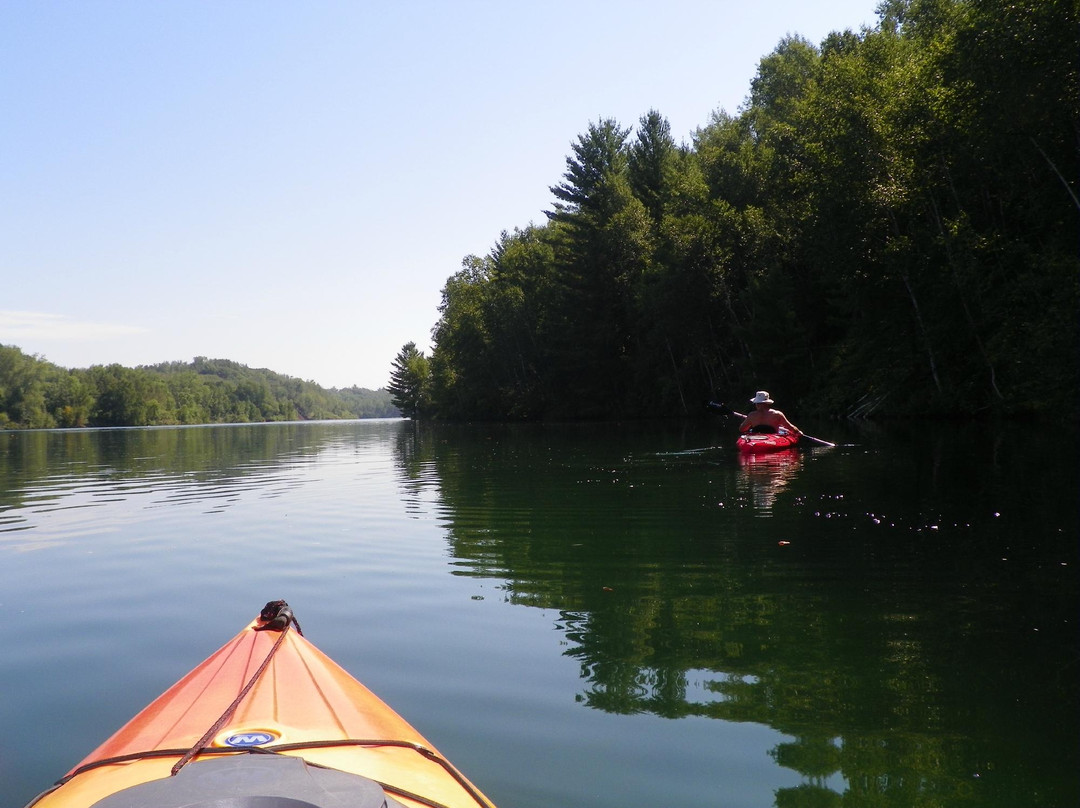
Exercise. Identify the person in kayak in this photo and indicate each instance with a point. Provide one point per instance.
(765, 419)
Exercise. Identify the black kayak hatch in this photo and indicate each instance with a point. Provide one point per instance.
(254, 781)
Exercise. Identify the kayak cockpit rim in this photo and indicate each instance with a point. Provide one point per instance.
(282, 749)
(254, 781)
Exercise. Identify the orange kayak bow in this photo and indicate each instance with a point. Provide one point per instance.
(267, 720)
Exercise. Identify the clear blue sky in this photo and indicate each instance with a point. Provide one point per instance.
(290, 184)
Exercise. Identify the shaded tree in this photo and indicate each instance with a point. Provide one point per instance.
(409, 381)
(604, 241)
(651, 163)
(888, 225)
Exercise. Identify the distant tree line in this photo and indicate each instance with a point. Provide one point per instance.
(36, 394)
(889, 225)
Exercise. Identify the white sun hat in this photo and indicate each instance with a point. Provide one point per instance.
(762, 397)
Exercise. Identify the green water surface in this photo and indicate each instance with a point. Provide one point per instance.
(577, 615)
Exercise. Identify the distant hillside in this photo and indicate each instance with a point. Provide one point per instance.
(36, 394)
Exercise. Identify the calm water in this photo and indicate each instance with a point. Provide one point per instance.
(576, 615)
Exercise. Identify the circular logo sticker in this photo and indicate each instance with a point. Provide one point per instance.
(246, 739)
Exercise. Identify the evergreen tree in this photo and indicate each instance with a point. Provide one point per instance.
(651, 163)
(604, 241)
(409, 381)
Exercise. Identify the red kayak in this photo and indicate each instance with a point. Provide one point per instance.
(763, 443)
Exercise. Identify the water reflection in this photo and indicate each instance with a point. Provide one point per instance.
(48, 479)
(914, 640)
(891, 651)
(766, 475)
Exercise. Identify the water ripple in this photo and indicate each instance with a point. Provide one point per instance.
(60, 505)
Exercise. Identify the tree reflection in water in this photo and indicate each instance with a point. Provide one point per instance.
(897, 653)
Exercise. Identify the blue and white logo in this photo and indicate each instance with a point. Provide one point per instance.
(244, 740)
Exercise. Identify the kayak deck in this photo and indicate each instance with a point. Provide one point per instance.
(763, 442)
(268, 691)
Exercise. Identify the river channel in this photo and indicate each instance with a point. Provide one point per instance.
(576, 615)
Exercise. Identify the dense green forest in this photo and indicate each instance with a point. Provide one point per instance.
(888, 226)
(36, 394)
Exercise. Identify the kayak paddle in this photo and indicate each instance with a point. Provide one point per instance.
(721, 407)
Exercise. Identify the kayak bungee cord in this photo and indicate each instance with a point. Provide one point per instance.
(276, 616)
